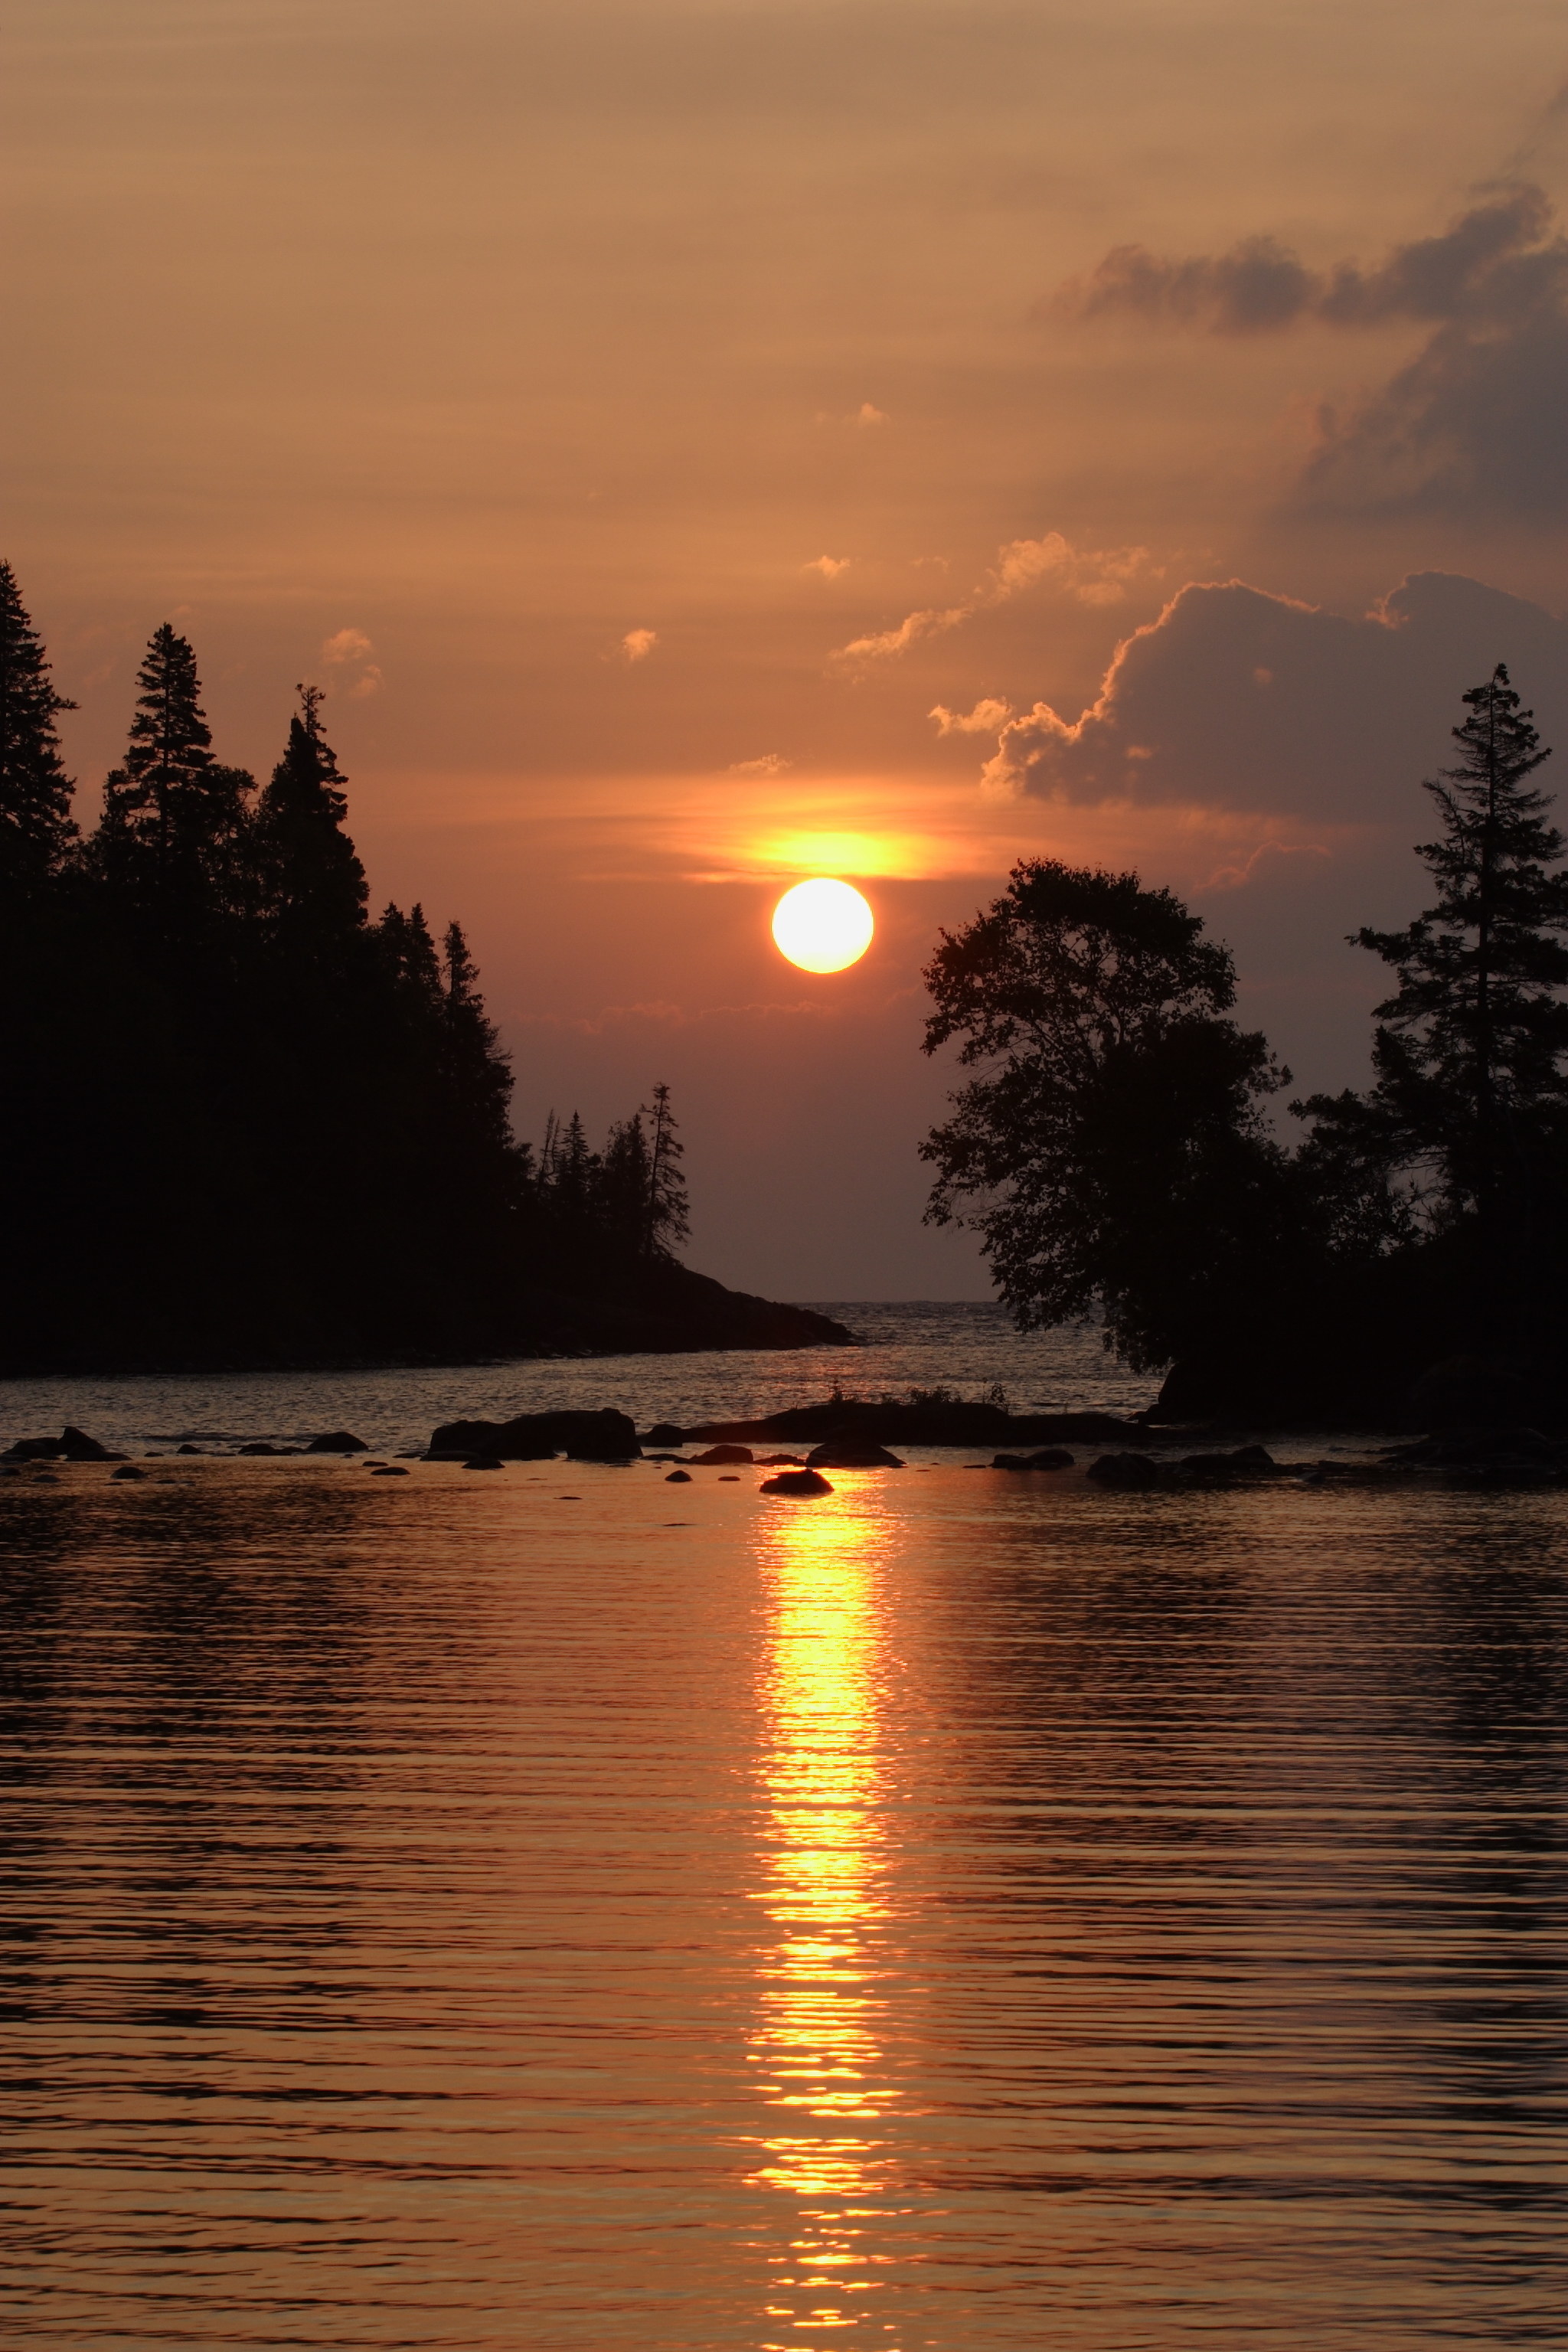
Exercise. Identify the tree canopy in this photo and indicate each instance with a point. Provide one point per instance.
(247, 1121)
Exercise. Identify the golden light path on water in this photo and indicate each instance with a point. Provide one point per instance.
(817, 2047)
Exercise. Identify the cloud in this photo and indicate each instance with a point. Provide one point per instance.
(351, 648)
(830, 566)
(910, 629)
(1097, 577)
(770, 764)
(985, 718)
(867, 416)
(1473, 423)
(637, 643)
(1240, 700)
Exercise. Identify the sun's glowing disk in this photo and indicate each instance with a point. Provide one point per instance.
(823, 926)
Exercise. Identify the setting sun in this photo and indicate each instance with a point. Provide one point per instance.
(823, 926)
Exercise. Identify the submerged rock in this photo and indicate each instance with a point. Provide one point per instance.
(606, 1436)
(390, 1470)
(1049, 1457)
(678, 1478)
(484, 1462)
(1133, 1473)
(664, 1432)
(337, 1440)
(126, 1471)
(797, 1482)
(724, 1454)
(851, 1453)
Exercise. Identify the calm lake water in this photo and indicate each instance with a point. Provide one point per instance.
(554, 1908)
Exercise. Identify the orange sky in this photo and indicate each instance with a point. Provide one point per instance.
(697, 445)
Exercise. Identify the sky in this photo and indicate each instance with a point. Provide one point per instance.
(700, 445)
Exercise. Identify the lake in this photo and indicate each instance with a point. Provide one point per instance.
(557, 1908)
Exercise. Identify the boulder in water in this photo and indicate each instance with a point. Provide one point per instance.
(724, 1454)
(337, 1440)
(797, 1482)
(1131, 1472)
(1049, 1457)
(851, 1453)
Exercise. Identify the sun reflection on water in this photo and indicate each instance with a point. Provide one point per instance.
(818, 2043)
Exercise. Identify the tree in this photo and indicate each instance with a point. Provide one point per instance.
(1470, 1093)
(669, 1221)
(170, 807)
(310, 881)
(1113, 1156)
(35, 828)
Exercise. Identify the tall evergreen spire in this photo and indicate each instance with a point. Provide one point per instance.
(310, 876)
(36, 825)
(170, 796)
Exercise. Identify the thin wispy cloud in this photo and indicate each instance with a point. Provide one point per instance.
(1097, 577)
(770, 764)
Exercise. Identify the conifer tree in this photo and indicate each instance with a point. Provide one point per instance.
(171, 802)
(36, 826)
(310, 881)
(625, 1184)
(1470, 1087)
(668, 1221)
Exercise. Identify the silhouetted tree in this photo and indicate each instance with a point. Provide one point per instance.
(668, 1214)
(624, 1185)
(1468, 1051)
(1113, 1157)
(36, 827)
(309, 880)
(170, 810)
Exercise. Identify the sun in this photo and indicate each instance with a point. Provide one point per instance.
(823, 926)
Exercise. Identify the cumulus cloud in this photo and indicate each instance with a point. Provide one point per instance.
(830, 566)
(1240, 700)
(985, 718)
(1474, 421)
(770, 764)
(1093, 577)
(637, 643)
(867, 415)
(350, 650)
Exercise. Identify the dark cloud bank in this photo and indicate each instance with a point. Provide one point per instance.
(1474, 423)
(1244, 700)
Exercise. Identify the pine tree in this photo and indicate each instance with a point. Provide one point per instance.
(668, 1221)
(171, 803)
(625, 1184)
(310, 881)
(36, 827)
(1470, 1088)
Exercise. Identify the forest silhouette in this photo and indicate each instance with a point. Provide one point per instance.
(1408, 1254)
(250, 1124)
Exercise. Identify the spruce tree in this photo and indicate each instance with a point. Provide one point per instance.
(668, 1221)
(36, 827)
(309, 882)
(171, 806)
(1471, 1089)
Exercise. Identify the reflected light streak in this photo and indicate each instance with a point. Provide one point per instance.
(817, 2047)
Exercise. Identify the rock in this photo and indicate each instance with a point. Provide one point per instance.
(337, 1440)
(484, 1462)
(1132, 1472)
(1244, 1461)
(930, 1421)
(664, 1432)
(678, 1478)
(797, 1482)
(1049, 1457)
(1481, 1449)
(126, 1471)
(35, 1449)
(851, 1453)
(261, 1446)
(606, 1436)
(390, 1471)
(187, 1449)
(76, 1447)
(723, 1453)
(780, 1462)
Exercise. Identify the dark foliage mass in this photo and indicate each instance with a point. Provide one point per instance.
(247, 1123)
(1114, 1153)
